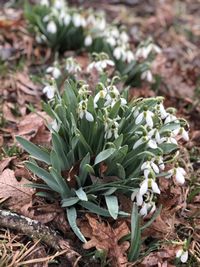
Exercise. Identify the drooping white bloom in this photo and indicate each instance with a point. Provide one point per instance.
(147, 115)
(145, 139)
(59, 4)
(118, 53)
(170, 117)
(149, 167)
(72, 65)
(88, 40)
(67, 19)
(149, 183)
(124, 37)
(51, 27)
(49, 90)
(183, 255)
(55, 72)
(179, 175)
(129, 56)
(181, 131)
(78, 20)
(147, 75)
(100, 65)
(111, 127)
(163, 112)
(146, 50)
(54, 126)
(44, 2)
(82, 111)
(149, 206)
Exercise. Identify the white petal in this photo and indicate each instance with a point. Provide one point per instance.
(155, 187)
(49, 69)
(143, 187)
(145, 165)
(138, 143)
(149, 120)
(139, 118)
(146, 173)
(89, 116)
(179, 177)
(56, 73)
(152, 144)
(51, 27)
(154, 167)
(139, 199)
(179, 253)
(184, 256)
(117, 53)
(143, 211)
(181, 170)
(88, 40)
(185, 135)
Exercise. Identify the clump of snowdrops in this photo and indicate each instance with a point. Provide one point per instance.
(105, 146)
(68, 28)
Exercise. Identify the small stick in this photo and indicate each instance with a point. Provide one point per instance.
(37, 230)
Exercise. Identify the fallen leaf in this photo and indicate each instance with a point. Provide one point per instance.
(18, 194)
(5, 162)
(105, 237)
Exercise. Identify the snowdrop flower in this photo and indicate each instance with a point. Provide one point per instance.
(72, 66)
(146, 50)
(149, 167)
(171, 140)
(129, 56)
(147, 75)
(111, 128)
(146, 184)
(88, 40)
(182, 254)
(179, 174)
(182, 132)
(124, 37)
(111, 41)
(44, 2)
(49, 90)
(66, 19)
(51, 27)
(59, 4)
(78, 20)
(138, 196)
(113, 96)
(100, 65)
(161, 163)
(54, 126)
(163, 112)
(146, 207)
(119, 53)
(82, 111)
(147, 115)
(145, 139)
(155, 133)
(55, 72)
(170, 117)
(101, 94)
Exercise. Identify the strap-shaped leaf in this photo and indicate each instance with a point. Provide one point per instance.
(81, 194)
(71, 216)
(64, 188)
(44, 175)
(104, 155)
(70, 201)
(34, 150)
(135, 234)
(112, 205)
(94, 208)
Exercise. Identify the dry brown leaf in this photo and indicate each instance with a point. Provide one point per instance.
(18, 194)
(105, 237)
(32, 126)
(5, 162)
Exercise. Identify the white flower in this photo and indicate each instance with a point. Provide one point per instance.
(163, 112)
(182, 132)
(124, 37)
(51, 27)
(161, 163)
(111, 128)
(59, 4)
(119, 53)
(66, 19)
(147, 115)
(49, 90)
(144, 209)
(170, 117)
(72, 66)
(129, 56)
(82, 111)
(179, 175)
(88, 40)
(100, 65)
(148, 167)
(183, 255)
(44, 2)
(147, 75)
(111, 41)
(54, 126)
(101, 94)
(78, 20)
(146, 50)
(55, 72)
(146, 184)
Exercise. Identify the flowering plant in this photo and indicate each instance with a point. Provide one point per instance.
(104, 146)
(64, 28)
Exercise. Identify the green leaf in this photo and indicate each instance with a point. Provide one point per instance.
(44, 175)
(64, 188)
(70, 201)
(113, 207)
(104, 155)
(94, 208)
(71, 216)
(135, 234)
(34, 150)
(81, 194)
(167, 147)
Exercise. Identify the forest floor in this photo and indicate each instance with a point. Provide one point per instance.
(174, 25)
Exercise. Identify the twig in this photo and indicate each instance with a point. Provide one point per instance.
(37, 230)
